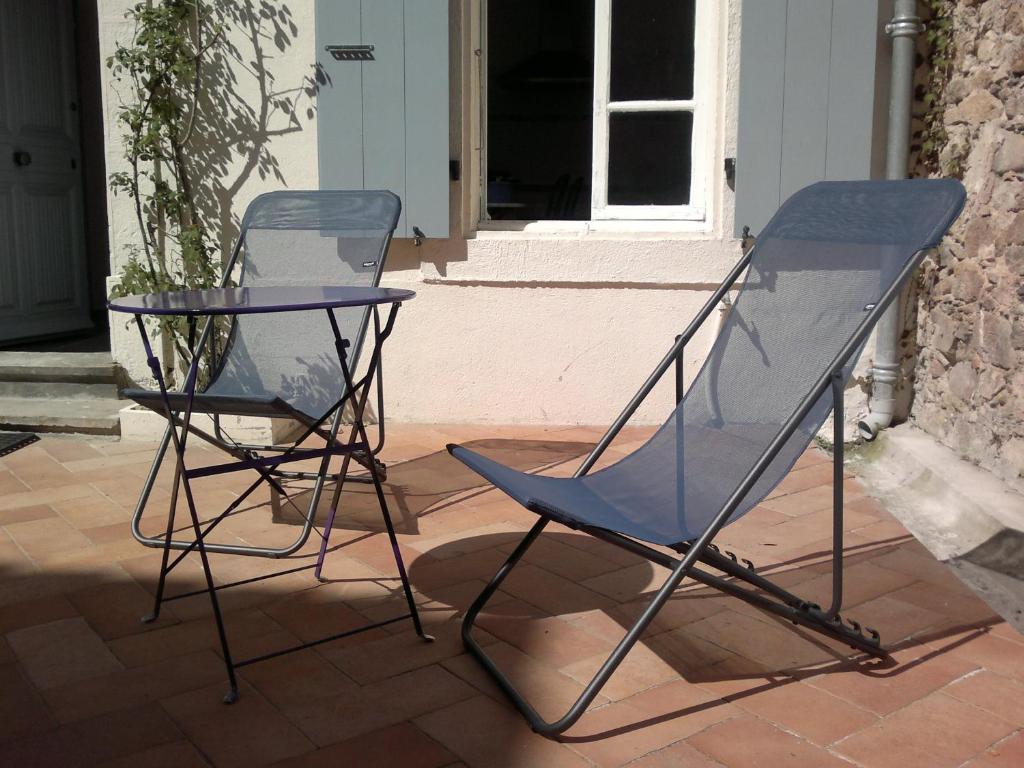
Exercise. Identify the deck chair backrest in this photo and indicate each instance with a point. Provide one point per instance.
(819, 266)
(304, 238)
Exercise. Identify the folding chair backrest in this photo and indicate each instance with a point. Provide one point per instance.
(822, 262)
(292, 238)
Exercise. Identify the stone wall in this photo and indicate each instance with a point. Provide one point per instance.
(969, 383)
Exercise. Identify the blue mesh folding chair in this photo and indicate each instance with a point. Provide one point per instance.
(282, 366)
(820, 275)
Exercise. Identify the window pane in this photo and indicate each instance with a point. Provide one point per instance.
(652, 49)
(649, 158)
(540, 108)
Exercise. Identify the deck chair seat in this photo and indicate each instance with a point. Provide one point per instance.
(630, 496)
(221, 404)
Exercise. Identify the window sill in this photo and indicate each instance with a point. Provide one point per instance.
(679, 229)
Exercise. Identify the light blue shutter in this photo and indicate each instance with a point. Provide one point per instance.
(811, 86)
(382, 120)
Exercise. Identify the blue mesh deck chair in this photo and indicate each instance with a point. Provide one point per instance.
(819, 276)
(286, 365)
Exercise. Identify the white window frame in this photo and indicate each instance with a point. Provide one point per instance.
(704, 105)
(699, 106)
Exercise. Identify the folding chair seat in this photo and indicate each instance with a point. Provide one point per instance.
(826, 266)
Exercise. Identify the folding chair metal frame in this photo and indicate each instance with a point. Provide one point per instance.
(777, 600)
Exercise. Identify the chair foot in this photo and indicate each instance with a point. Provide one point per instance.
(232, 695)
(427, 638)
(149, 618)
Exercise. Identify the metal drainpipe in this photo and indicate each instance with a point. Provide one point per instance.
(903, 29)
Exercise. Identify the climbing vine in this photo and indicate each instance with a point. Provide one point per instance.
(160, 74)
(198, 110)
(933, 136)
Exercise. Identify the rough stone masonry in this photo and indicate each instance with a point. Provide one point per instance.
(969, 377)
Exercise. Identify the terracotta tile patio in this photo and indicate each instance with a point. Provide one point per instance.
(83, 682)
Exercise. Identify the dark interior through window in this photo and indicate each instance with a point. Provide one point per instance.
(540, 111)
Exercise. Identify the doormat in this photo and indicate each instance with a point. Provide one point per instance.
(12, 441)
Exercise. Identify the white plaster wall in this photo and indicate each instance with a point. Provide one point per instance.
(509, 326)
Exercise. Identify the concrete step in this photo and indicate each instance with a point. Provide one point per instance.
(96, 416)
(60, 390)
(64, 367)
(965, 516)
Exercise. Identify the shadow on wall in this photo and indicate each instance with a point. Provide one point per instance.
(242, 107)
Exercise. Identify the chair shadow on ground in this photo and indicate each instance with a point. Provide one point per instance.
(706, 663)
(424, 485)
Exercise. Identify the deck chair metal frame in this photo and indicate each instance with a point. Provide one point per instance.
(248, 451)
(758, 590)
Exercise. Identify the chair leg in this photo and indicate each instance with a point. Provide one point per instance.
(413, 610)
(537, 723)
(168, 535)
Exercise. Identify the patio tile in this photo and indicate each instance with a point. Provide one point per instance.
(993, 653)
(61, 652)
(807, 712)
(114, 609)
(894, 619)
(959, 607)
(168, 638)
(1001, 696)
(9, 483)
(626, 730)
(552, 640)
(133, 687)
(249, 732)
(676, 756)
(861, 582)
(22, 710)
(402, 652)
(747, 742)
(296, 678)
(40, 610)
(45, 496)
(552, 593)
(772, 644)
(176, 754)
(25, 514)
(403, 744)
(488, 735)
(42, 538)
(1008, 753)
(813, 499)
(935, 732)
(89, 742)
(92, 512)
(378, 705)
(883, 688)
(68, 450)
(640, 670)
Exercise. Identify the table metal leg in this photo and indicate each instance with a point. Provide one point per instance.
(181, 479)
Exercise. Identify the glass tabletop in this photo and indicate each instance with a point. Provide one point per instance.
(242, 301)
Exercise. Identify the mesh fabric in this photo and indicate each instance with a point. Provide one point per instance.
(335, 238)
(820, 265)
